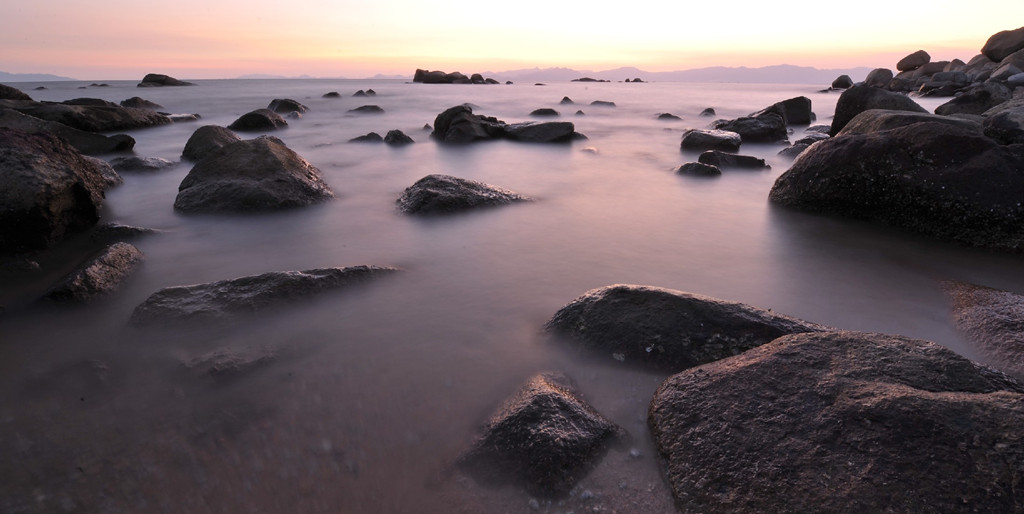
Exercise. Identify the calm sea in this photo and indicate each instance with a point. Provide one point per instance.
(373, 392)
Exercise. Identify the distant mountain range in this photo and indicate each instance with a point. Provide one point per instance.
(30, 77)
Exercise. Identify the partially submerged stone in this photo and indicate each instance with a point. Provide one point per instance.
(89, 143)
(731, 160)
(206, 139)
(699, 169)
(444, 194)
(258, 120)
(100, 276)
(701, 140)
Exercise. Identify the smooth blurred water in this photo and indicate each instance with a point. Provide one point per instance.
(374, 391)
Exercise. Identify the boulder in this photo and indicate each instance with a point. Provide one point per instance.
(93, 117)
(1015, 80)
(444, 194)
(286, 105)
(667, 116)
(990, 319)
(397, 138)
(1004, 72)
(768, 127)
(876, 120)
(795, 111)
(913, 61)
(158, 80)
(100, 276)
(860, 98)
(602, 103)
(367, 109)
(371, 137)
(544, 112)
(206, 139)
(89, 143)
(842, 82)
(140, 103)
(878, 77)
(144, 164)
(793, 151)
(549, 132)
(226, 300)
(664, 329)
(925, 177)
(566, 101)
(48, 190)
(1006, 126)
(698, 169)
(107, 172)
(930, 69)
(251, 175)
(545, 438)
(13, 93)
(332, 94)
(976, 100)
(258, 121)
(731, 160)
(1001, 44)
(841, 422)
(700, 140)
(459, 125)
(707, 112)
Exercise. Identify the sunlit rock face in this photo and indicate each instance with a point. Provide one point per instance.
(841, 422)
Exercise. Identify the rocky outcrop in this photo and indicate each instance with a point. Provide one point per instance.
(90, 117)
(206, 139)
(545, 438)
(700, 140)
(913, 61)
(1002, 44)
(459, 125)
(99, 277)
(878, 77)
(88, 143)
(286, 106)
(841, 422)
(664, 329)
(546, 111)
(48, 190)
(229, 299)
(991, 320)
(440, 77)
(769, 127)
(860, 98)
(259, 174)
(258, 121)
(730, 160)
(397, 138)
(13, 93)
(924, 177)
(159, 80)
(444, 194)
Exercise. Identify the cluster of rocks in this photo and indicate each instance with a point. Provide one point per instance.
(440, 77)
(458, 124)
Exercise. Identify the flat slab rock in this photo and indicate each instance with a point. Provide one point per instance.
(99, 277)
(667, 330)
(227, 299)
(544, 438)
(992, 321)
(443, 194)
(842, 422)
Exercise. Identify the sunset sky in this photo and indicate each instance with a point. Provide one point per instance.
(121, 39)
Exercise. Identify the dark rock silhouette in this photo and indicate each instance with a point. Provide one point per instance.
(699, 169)
(286, 106)
(371, 137)
(445, 194)
(842, 82)
(913, 61)
(459, 125)
(721, 160)
(89, 143)
(397, 138)
(140, 103)
(546, 111)
(860, 98)
(1003, 44)
(92, 115)
(700, 140)
(367, 109)
(143, 164)
(13, 93)
(206, 139)
(258, 121)
(158, 80)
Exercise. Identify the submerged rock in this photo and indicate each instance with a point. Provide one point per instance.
(100, 276)
(228, 299)
(206, 139)
(286, 106)
(841, 422)
(546, 111)
(397, 138)
(259, 120)
(227, 363)
(459, 125)
(134, 163)
(767, 127)
(89, 143)
(730, 160)
(252, 175)
(367, 109)
(545, 438)
(443, 194)
(158, 80)
(699, 169)
(370, 137)
(667, 330)
(700, 140)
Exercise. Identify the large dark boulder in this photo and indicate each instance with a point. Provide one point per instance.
(545, 438)
(459, 125)
(976, 100)
(251, 175)
(206, 139)
(841, 422)
(1001, 44)
(258, 121)
(89, 143)
(721, 159)
(664, 329)
(700, 140)
(100, 276)
(876, 120)
(842, 82)
(226, 300)
(159, 80)
(101, 117)
(48, 190)
(548, 132)
(698, 169)
(768, 127)
(945, 181)
(913, 61)
(878, 77)
(860, 98)
(13, 93)
(1006, 125)
(286, 106)
(992, 321)
(795, 111)
(443, 194)
(136, 102)
(397, 138)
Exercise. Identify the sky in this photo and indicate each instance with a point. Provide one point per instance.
(197, 39)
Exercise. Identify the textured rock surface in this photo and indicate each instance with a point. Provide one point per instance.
(442, 194)
(100, 276)
(92, 117)
(842, 422)
(860, 98)
(700, 140)
(992, 321)
(88, 143)
(206, 139)
(258, 121)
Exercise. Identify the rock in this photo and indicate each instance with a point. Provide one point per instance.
(667, 330)
(229, 299)
(332, 94)
(1004, 72)
(550, 132)
(929, 69)
(766, 128)
(186, 117)
(841, 422)
(545, 438)
(444, 194)
(397, 138)
(700, 140)
(107, 172)
(602, 103)
(13, 93)
(1001, 44)
(990, 321)
(731, 160)
(566, 101)
(793, 151)
(48, 190)
(359, 93)
(1006, 126)
(544, 112)
(667, 116)
(877, 120)
(157, 80)
(367, 109)
(258, 121)
(913, 61)
(206, 139)
(878, 77)
(92, 117)
(842, 82)
(89, 143)
(795, 111)
(440, 77)
(251, 175)
(923, 177)
(698, 169)
(99, 277)
(860, 98)
(976, 100)
(140, 103)
(1015, 80)
(372, 137)
(286, 105)
(227, 363)
(134, 163)
(109, 233)
(707, 112)
(459, 125)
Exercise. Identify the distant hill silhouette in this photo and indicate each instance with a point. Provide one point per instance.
(30, 77)
(780, 74)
